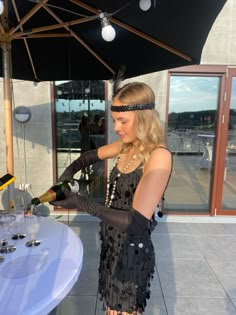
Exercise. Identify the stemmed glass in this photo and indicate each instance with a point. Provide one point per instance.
(6, 222)
(18, 228)
(32, 227)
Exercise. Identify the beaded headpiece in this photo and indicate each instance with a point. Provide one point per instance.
(127, 108)
(118, 77)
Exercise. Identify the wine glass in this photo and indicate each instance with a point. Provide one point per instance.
(1, 238)
(18, 228)
(6, 222)
(32, 227)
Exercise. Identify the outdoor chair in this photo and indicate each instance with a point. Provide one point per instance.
(205, 161)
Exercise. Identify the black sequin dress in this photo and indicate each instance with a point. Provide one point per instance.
(127, 262)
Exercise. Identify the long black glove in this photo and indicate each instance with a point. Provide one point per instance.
(130, 221)
(86, 159)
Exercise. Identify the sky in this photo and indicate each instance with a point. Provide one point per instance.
(189, 93)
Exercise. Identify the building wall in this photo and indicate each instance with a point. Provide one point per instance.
(32, 141)
(220, 49)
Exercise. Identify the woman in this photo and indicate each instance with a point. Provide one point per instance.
(137, 183)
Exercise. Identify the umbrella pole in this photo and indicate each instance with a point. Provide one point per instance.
(6, 54)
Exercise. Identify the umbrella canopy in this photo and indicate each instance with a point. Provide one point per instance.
(61, 39)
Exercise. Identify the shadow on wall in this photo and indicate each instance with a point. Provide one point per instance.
(22, 199)
(38, 129)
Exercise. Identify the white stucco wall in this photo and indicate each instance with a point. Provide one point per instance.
(220, 46)
(32, 155)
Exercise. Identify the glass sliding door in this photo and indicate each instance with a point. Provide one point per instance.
(80, 126)
(192, 116)
(229, 184)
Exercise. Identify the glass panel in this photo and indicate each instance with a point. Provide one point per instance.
(191, 136)
(229, 187)
(80, 126)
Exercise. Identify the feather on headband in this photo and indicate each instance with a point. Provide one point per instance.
(118, 77)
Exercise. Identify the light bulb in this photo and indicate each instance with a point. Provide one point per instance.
(1, 7)
(145, 4)
(108, 33)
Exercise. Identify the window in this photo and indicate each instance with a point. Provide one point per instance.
(192, 116)
(80, 126)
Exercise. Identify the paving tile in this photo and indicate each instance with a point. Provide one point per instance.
(234, 302)
(199, 306)
(99, 308)
(195, 263)
(155, 287)
(231, 228)
(88, 233)
(176, 246)
(77, 305)
(91, 253)
(86, 229)
(87, 283)
(171, 228)
(217, 247)
(155, 306)
(56, 311)
(226, 273)
(208, 228)
(188, 278)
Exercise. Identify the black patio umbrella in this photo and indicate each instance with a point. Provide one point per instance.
(47, 40)
(61, 39)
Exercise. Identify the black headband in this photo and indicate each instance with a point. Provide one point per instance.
(127, 108)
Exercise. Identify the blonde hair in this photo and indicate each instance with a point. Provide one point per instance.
(147, 123)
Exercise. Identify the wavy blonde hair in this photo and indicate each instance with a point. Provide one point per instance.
(147, 123)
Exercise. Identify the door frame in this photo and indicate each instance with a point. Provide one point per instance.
(222, 135)
(226, 74)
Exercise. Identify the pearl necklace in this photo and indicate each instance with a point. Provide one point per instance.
(108, 201)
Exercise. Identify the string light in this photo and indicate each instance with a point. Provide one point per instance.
(108, 31)
(1, 7)
(145, 4)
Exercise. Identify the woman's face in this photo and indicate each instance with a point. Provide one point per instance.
(124, 124)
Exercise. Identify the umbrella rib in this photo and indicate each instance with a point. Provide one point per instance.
(151, 39)
(27, 16)
(80, 41)
(51, 35)
(31, 59)
(136, 32)
(52, 27)
(2, 29)
(25, 41)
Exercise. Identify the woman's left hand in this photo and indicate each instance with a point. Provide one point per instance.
(70, 201)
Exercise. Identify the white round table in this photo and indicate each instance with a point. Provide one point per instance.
(34, 280)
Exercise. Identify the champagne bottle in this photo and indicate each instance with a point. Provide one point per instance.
(55, 192)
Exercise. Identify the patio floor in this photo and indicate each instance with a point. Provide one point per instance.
(195, 268)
